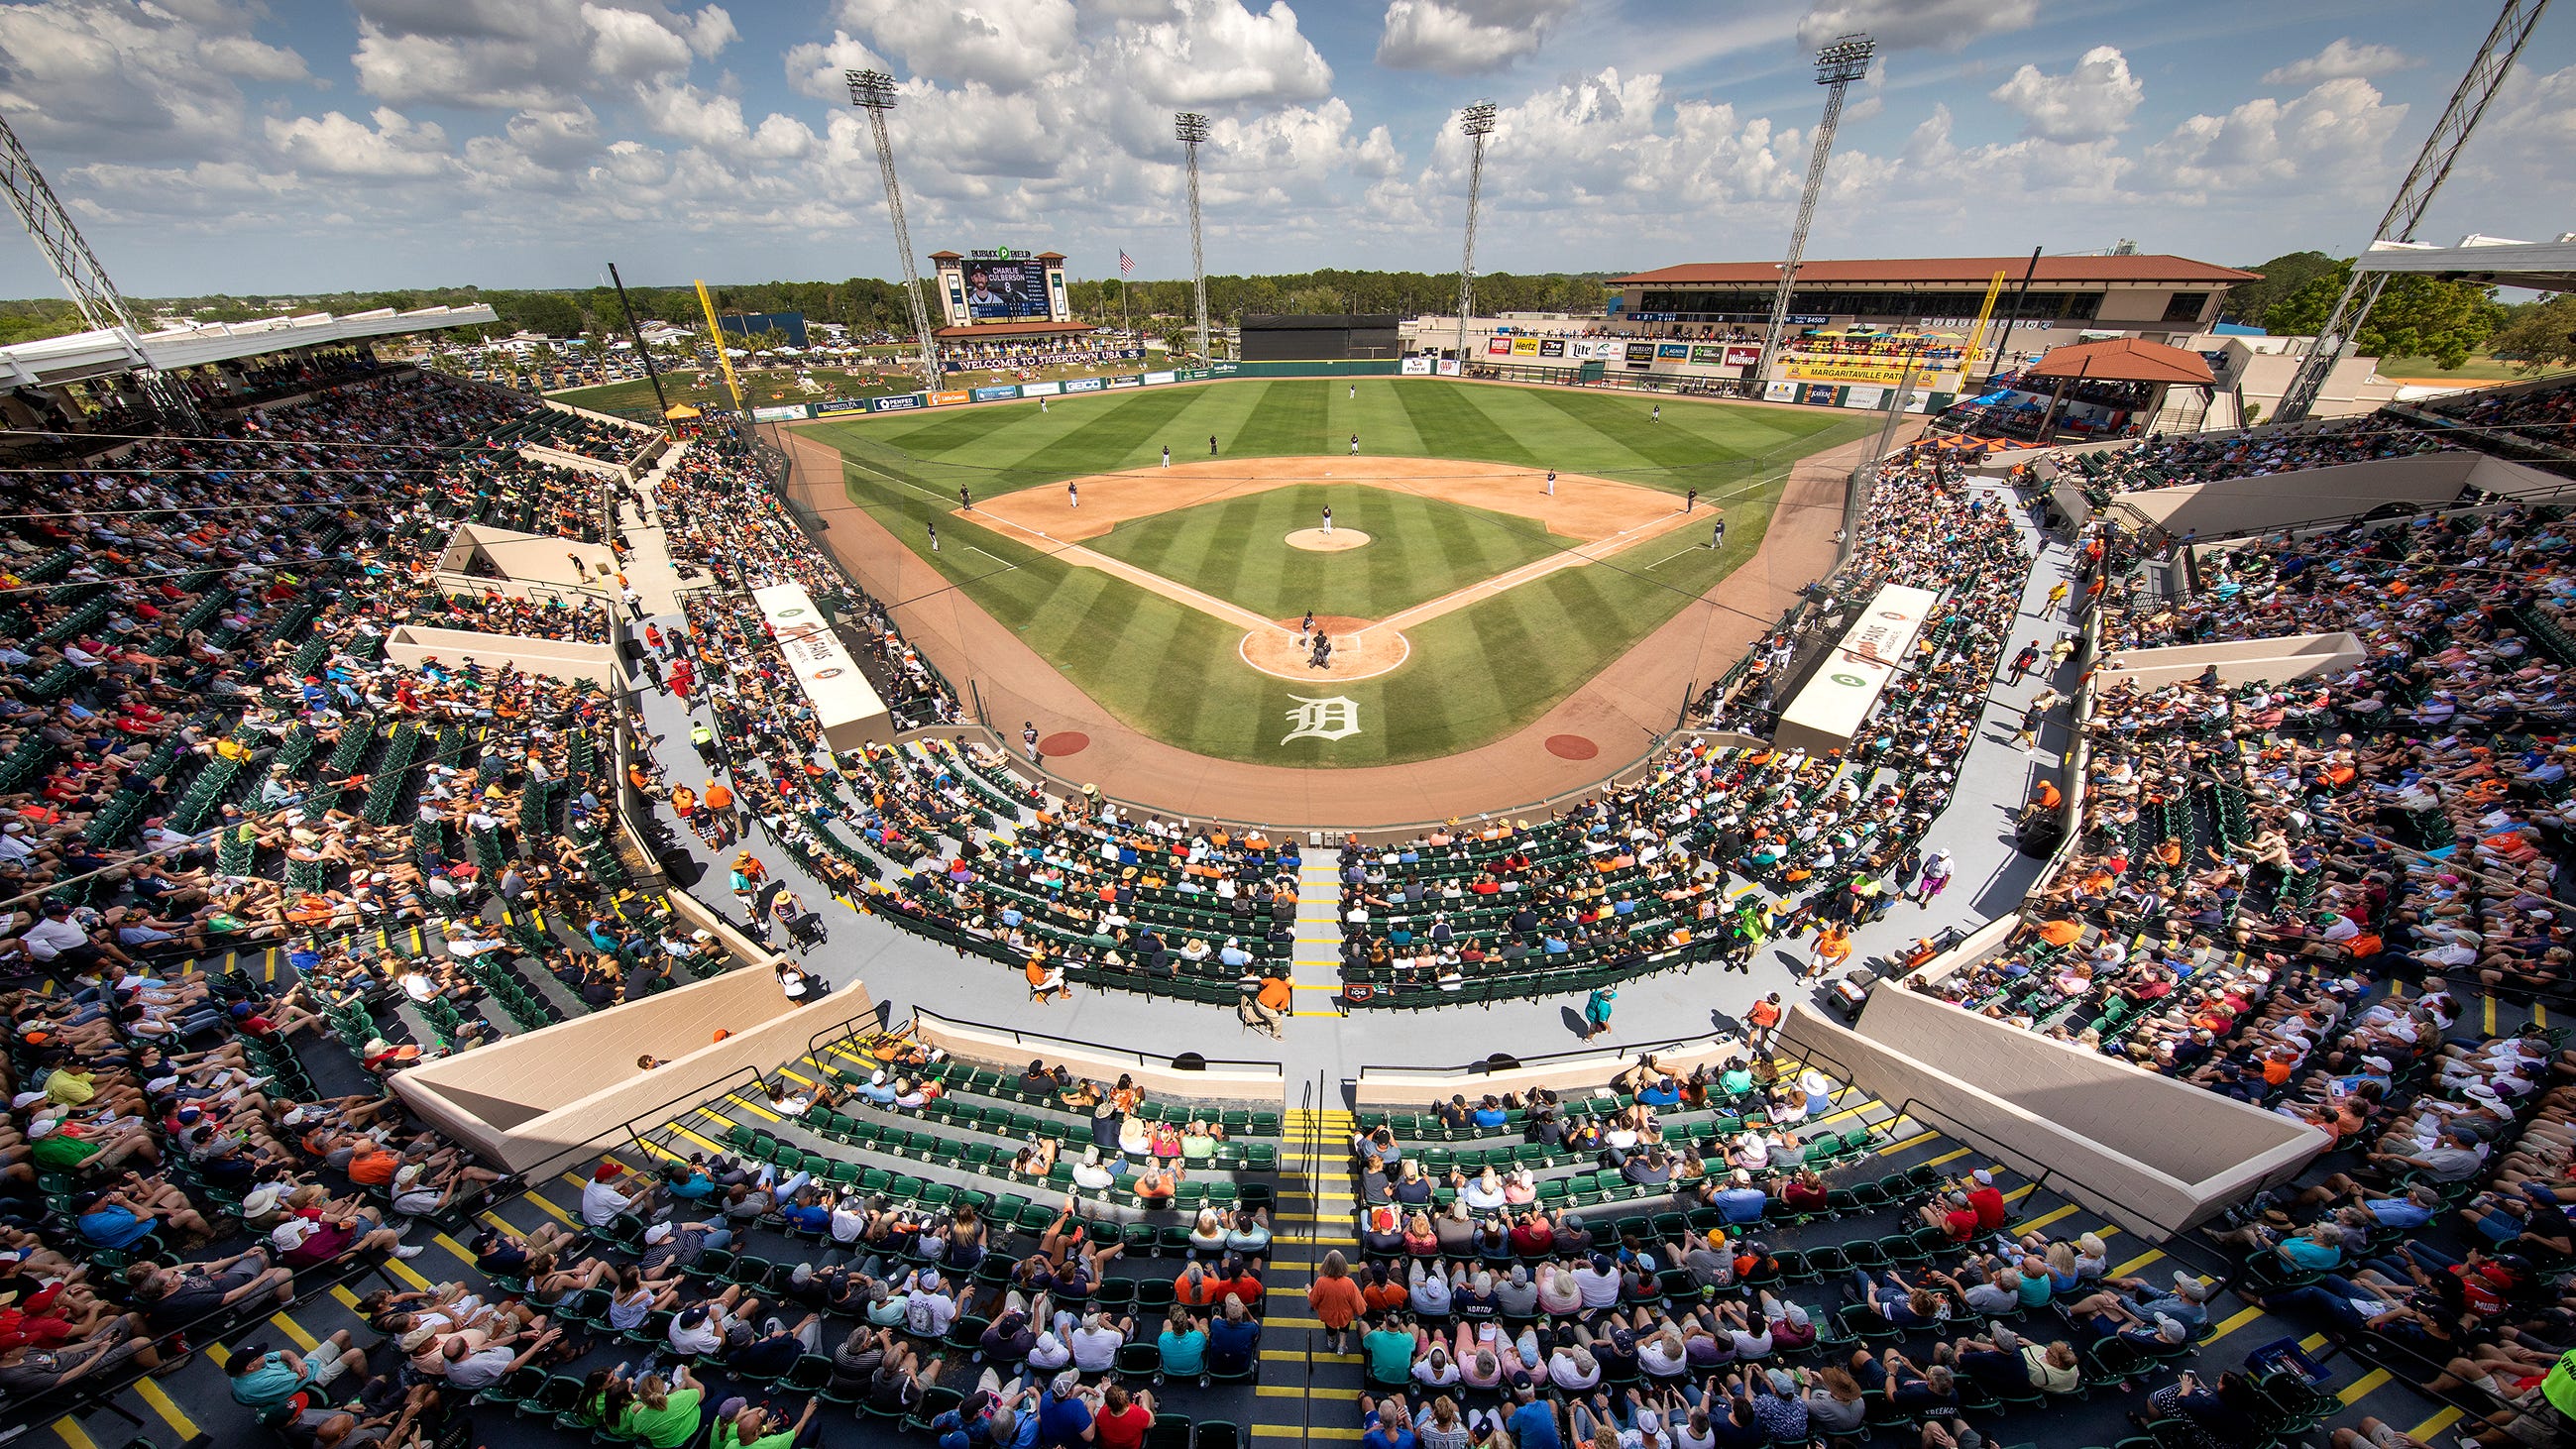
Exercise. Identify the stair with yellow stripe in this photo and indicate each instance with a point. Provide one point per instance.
(1314, 1217)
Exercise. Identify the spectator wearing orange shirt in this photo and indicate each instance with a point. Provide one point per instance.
(1335, 1300)
(1762, 1020)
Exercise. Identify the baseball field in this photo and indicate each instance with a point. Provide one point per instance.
(1461, 593)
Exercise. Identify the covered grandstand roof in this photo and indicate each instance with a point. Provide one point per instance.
(2548, 266)
(1916, 270)
(103, 352)
(2125, 359)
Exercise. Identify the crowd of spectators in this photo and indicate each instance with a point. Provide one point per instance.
(1650, 875)
(577, 618)
(2545, 415)
(2289, 893)
(1709, 1297)
(2217, 457)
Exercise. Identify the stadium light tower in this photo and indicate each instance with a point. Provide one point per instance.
(101, 305)
(873, 92)
(1475, 123)
(1192, 128)
(1837, 66)
(2432, 165)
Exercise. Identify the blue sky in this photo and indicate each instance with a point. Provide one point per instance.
(306, 145)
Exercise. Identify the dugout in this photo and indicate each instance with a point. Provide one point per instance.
(1319, 337)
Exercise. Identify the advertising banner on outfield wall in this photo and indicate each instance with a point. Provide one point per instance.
(1448, 367)
(1743, 356)
(1126, 382)
(1524, 347)
(846, 706)
(1777, 391)
(1000, 392)
(1194, 374)
(1864, 397)
(1593, 349)
(1417, 367)
(946, 399)
(840, 405)
(1040, 389)
(1083, 384)
(1641, 352)
(1676, 351)
(1498, 347)
(1157, 379)
(900, 402)
(788, 413)
(1884, 371)
(1551, 347)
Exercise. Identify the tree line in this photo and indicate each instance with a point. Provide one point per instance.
(2416, 316)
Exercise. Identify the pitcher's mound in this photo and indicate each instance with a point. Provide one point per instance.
(1361, 649)
(1315, 540)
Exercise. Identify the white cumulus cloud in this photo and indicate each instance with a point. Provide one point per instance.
(2088, 103)
(335, 145)
(1915, 24)
(2336, 130)
(1004, 44)
(1464, 37)
(2340, 60)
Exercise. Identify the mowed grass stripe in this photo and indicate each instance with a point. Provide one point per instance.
(1452, 426)
(1652, 447)
(1291, 419)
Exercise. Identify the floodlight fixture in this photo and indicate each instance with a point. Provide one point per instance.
(1477, 119)
(1845, 60)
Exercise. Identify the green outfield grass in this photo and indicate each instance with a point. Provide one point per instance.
(1420, 548)
(1474, 675)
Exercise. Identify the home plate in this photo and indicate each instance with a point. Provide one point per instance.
(1361, 650)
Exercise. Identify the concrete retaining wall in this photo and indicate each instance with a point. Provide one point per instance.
(2152, 1154)
(408, 645)
(2286, 500)
(1410, 1087)
(573, 1087)
(2239, 661)
(1263, 1084)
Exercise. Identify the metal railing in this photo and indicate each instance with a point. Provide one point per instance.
(1021, 1037)
(2171, 1237)
(1570, 1056)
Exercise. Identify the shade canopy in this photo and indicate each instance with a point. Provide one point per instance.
(2125, 359)
(682, 412)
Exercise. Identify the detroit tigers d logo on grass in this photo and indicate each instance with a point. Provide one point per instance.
(1334, 718)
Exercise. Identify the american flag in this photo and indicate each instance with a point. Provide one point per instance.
(1126, 263)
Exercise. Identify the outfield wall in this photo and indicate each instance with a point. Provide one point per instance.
(1826, 395)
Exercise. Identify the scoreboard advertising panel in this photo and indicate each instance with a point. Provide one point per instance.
(1004, 284)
